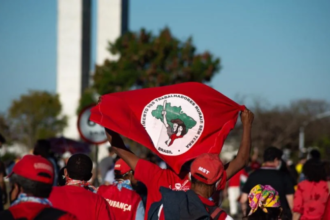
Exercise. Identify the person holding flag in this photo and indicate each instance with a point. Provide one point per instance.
(206, 173)
(154, 177)
(208, 117)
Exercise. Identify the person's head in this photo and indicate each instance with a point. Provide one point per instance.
(175, 126)
(79, 167)
(314, 170)
(264, 202)
(315, 154)
(42, 148)
(273, 155)
(207, 174)
(124, 172)
(182, 129)
(32, 175)
(112, 152)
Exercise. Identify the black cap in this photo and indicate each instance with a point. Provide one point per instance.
(80, 167)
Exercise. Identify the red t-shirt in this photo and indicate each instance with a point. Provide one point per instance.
(123, 204)
(154, 177)
(326, 215)
(30, 210)
(236, 179)
(310, 199)
(81, 202)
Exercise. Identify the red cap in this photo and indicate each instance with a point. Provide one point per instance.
(32, 167)
(208, 166)
(122, 167)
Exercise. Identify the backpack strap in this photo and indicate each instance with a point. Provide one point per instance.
(6, 215)
(50, 214)
(216, 213)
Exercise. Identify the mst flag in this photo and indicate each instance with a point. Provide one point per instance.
(177, 122)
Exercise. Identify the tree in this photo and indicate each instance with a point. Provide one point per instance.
(36, 115)
(145, 60)
(279, 125)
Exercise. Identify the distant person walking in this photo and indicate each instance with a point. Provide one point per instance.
(122, 193)
(312, 194)
(264, 203)
(269, 174)
(42, 148)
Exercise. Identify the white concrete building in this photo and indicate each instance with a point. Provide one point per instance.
(74, 48)
(112, 21)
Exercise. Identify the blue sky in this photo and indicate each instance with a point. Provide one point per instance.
(277, 51)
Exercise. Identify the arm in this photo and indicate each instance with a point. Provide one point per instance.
(164, 119)
(289, 198)
(243, 201)
(244, 150)
(140, 212)
(296, 216)
(118, 145)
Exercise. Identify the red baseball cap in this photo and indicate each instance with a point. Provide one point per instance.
(207, 168)
(34, 168)
(122, 167)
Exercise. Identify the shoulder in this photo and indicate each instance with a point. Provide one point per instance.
(103, 188)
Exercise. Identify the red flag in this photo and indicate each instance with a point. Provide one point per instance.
(177, 122)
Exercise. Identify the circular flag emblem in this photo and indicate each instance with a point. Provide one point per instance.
(174, 123)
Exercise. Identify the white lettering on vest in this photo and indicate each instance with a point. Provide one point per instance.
(120, 205)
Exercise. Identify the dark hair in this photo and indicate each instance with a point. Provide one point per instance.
(180, 123)
(42, 148)
(326, 165)
(80, 167)
(273, 214)
(60, 180)
(111, 150)
(118, 175)
(315, 154)
(272, 153)
(197, 182)
(314, 170)
(37, 189)
(2, 139)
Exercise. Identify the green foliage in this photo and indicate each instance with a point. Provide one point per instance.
(145, 60)
(87, 98)
(36, 115)
(173, 113)
(324, 145)
(8, 157)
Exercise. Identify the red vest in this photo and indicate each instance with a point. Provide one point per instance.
(123, 204)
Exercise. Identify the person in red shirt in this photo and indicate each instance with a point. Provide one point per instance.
(154, 177)
(312, 194)
(32, 179)
(77, 196)
(124, 202)
(234, 190)
(206, 175)
(326, 215)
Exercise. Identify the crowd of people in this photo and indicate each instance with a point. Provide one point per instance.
(135, 188)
